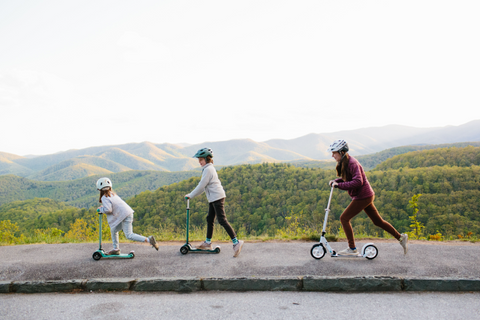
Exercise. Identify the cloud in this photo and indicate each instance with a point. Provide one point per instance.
(140, 49)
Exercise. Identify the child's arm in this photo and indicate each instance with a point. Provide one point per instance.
(106, 205)
(206, 177)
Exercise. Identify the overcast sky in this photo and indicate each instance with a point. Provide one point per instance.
(75, 74)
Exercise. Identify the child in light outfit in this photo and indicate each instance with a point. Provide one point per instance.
(119, 216)
(216, 198)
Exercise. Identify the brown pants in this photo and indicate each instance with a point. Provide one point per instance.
(354, 208)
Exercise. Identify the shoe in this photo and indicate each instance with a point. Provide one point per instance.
(348, 252)
(403, 242)
(237, 248)
(205, 246)
(152, 241)
(114, 252)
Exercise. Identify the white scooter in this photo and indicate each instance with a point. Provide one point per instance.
(319, 250)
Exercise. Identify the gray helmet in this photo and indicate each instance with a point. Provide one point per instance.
(203, 153)
(338, 146)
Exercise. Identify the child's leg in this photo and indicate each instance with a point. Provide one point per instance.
(128, 230)
(354, 208)
(373, 214)
(219, 208)
(210, 220)
(115, 240)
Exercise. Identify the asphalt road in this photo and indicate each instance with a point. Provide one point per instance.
(74, 261)
(245, 305)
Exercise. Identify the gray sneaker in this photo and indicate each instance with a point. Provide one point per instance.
(237, 248)
(403, 242)
(348, 252)
(205, 246)
(152, 241)
(113, 252)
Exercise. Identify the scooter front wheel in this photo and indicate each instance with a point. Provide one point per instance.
(318, 251)
(96, 256)
(370, 252)
(184, 250)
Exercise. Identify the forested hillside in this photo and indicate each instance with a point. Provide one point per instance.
(82, 193)
(266, 198)
(460, 157)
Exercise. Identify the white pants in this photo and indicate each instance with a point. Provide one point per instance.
(127, 227)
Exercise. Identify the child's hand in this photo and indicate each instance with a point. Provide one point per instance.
(98, 210)
(186, 197)
(333, 183)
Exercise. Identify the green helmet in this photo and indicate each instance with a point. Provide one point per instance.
(203, 153)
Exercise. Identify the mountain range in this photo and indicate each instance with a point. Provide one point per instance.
(105, 160)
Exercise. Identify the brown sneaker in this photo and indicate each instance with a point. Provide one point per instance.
(114, 252)
(205, 246)
(237, 248)
(152, 241)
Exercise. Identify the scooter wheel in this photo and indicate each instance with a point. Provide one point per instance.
(217, 250)
(370, 252)
(96, 256)
(132, 254)
(318, 251)
(184, 250)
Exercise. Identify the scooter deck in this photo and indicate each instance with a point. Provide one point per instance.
(130, 255)
(347, 256)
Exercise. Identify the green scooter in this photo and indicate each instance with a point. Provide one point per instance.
(99, 254)
(187, 247)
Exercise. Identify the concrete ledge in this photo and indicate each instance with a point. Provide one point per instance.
(441, 284)
(109, 284)
(352, 284)
(5, 286)
(253, 284)
(47, 286)
(308, 283)
(168, 284)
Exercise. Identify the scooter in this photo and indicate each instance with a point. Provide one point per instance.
(187, 247)
(100, 253)
(319, 250)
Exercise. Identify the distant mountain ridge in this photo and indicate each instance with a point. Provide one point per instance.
(75, 164)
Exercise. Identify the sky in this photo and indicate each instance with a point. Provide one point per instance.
(76, 74)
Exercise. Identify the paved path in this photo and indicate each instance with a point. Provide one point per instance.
(260, 259)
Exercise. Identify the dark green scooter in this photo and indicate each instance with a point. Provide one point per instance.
(99, 254)
(187, 247)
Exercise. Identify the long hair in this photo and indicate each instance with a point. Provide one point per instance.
(209, 159)
(107, 192)
(342, 168)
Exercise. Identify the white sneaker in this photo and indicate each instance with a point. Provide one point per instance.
(348, 252)
(403, 242)
(205, 246)
(237, 248)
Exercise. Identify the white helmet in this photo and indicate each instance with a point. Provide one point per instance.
(103, 182)
(338, 146)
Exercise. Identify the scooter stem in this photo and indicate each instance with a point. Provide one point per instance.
(100, 235)
(327, 211)
(188, 217)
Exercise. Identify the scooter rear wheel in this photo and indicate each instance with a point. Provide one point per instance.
(318, 251)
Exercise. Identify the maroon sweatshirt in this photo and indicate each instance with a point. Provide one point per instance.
(358, 188)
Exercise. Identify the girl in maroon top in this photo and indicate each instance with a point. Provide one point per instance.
(355, 182)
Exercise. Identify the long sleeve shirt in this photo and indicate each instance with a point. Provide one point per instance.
(116, 210)
(210, 184)
(358, 187)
